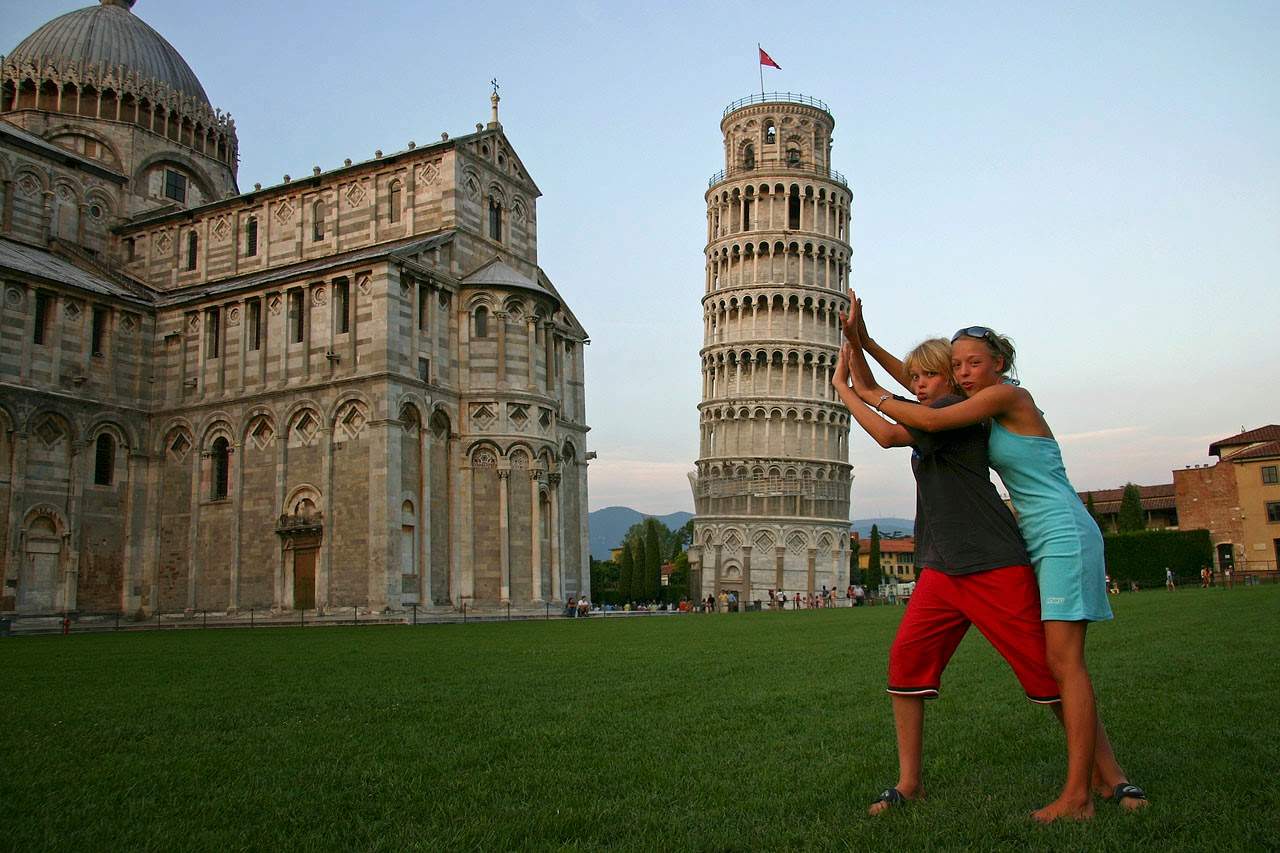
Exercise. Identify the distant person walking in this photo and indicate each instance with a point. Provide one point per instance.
(1168, 580)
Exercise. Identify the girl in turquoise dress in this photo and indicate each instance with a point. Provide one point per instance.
(1064, 543)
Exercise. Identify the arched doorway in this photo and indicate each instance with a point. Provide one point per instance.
(301, 528)
(41, 567)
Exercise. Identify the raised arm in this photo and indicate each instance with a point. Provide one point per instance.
(885, 434)
(891, 364)
(990, 402)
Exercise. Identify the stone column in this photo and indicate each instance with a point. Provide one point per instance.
(535, 539)
(532, 332)
(813, 557)
(237, 504)
(324, 555)
(504, 535)
(500, 320)
(282, 462)
(746, 574)
(553, 494)
(780, 562)
(466, 533)
(584, 535)
(193, 526)
(719, 572)
(424, 515)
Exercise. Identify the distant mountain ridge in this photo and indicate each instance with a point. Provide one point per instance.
(610, 524)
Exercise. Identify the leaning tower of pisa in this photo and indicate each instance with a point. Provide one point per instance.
(771, 490)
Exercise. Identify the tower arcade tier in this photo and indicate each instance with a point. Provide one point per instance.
(771, 491)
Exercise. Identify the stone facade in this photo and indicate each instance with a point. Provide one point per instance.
(771, 491)
(353, 389)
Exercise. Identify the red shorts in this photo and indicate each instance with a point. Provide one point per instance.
(1005, 606)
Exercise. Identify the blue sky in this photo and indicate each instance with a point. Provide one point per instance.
(1101, 181)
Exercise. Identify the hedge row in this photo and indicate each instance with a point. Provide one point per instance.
(1143, 555)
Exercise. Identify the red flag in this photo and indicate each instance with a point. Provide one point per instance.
(766, 59)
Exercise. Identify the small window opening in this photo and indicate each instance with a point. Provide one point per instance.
(424, 369)
(221, 468)
(251, 237)
(793, 209)
(770, 133)
(296, 312)
(99, 330)
(749, 157)
(342, 305)
(482, 322)
(495, 219)
(130, 249)
(793, 156)
(746, 214)
(42, 318)
(193, 246)
(317, 222)
(255, 325)
(424, 307)
(175, 186)
(394, 202)
(104, 461)
(213, 332)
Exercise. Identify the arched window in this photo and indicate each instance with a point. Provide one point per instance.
(104, 462)
(495, 219)
(394, 202)
(221, 468)
(193, 244)
(793, 156)
(482, 322)
(251, 237)
(793, 209)
(749, 157)
(317, 222)
(770, 133)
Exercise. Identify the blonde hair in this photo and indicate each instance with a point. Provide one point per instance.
(934, 355)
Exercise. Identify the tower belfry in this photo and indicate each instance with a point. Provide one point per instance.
(771, 491)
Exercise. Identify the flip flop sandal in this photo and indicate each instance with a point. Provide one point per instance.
(892, 796)
(1125, 790)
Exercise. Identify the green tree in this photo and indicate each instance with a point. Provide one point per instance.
(1131, 518)
(678, 583)
(653, 551)
(855, 548)
(681, 539)
(626, 572)
(873, 560)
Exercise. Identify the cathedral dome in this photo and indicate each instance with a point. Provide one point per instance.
(109, 36)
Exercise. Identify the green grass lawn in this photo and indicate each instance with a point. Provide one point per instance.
(742, 732)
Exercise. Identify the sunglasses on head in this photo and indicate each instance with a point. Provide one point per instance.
(981, 332)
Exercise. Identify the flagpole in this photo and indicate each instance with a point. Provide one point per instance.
(761, 65)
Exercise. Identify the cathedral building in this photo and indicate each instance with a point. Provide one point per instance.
(771, 490)
(355, 388)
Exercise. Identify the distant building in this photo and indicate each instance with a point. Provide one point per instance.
(897, 556)
(1159, 509)
(1237, 499)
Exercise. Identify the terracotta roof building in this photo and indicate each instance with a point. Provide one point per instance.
(1237, 499)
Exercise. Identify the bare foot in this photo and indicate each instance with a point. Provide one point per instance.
(1065, 808)
(909, 794)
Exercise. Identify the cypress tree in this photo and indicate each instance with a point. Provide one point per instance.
(873, 560)
(1131, 518)
(652, 559)
(639, 588)
(627, 573)
(1093, 512)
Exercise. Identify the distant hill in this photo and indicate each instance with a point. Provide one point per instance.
(905, 526)
(610, 524)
